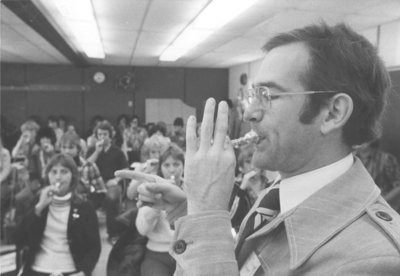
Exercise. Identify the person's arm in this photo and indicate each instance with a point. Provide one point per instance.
(15, 151)
(147, 219)
(209, 178)
(6, 166)
(94, 154)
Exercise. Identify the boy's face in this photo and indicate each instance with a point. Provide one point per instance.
(71, 150)
(103, 135)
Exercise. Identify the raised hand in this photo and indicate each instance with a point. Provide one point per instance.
(209, 167)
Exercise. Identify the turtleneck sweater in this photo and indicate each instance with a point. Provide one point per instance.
(54, 254)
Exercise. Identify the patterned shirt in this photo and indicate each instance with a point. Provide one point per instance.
(383, 167)
(91, 177)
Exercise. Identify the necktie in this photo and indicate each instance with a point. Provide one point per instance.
(267, 210)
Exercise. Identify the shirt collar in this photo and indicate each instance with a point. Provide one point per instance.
(294, 190)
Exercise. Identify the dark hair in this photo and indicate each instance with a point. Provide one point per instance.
(135, 117)
(46, 132)
(105, 125)
(70, 138)
(344, 61)
(52, 118)
(66, 161)
(122, 116)
(243, 79)
(178, 121)
(158, 127)
(173, 151)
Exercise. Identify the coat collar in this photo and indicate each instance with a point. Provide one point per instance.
(329, 210)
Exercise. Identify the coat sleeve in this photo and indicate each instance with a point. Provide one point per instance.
(208, 245)
(85, 240)
(379, 265)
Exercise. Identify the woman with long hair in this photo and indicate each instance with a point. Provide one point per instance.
(61, 233)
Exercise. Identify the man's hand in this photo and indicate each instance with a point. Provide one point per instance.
(153, 190)
(209, 169)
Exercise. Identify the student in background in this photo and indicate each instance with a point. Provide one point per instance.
(384, 169)
(109, 158)
(153, 223)
(133, 138)
(178, 135)
(91, 183)
(26, 142)
(61, 233)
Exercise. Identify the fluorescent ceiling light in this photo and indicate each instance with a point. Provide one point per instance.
(213, 17)
(78, 18)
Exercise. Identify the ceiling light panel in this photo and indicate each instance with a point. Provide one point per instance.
(214, 16)
(77, 16)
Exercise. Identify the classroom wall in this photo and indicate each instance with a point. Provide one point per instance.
(45, 90)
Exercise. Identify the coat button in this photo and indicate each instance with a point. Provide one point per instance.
(383, 215)
(180, 246)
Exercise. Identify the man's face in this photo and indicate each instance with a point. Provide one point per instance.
(286, 145)
(104, 135)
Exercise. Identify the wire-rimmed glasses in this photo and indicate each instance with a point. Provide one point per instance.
(264, 95)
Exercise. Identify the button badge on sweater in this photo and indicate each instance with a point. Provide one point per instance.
(179, 246)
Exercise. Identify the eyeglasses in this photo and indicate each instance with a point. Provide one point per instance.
(264, 95)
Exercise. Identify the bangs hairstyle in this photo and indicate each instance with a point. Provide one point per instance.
(344, 61)
(105, 125)
(70, 138)
(173, 151)
(66, 161)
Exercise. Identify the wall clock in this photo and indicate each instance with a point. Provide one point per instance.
(99, 77)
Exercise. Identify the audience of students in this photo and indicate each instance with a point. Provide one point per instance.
(89, 183)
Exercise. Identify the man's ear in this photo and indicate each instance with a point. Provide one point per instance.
(337, 113)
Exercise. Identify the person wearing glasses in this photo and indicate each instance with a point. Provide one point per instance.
(318, 93)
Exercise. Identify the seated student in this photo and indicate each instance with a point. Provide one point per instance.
(61, 233)
(178, 135)
(91, 182)
(26, 142)
(248, 184)
(133, 138)
(384, 169)
(46, 139)
(5, 189)
(108, 159)
(153, 223)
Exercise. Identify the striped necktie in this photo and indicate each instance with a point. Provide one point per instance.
(267, 210)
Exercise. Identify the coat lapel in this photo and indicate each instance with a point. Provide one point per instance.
(324, 214)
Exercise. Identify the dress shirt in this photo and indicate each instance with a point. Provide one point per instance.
(294, 190)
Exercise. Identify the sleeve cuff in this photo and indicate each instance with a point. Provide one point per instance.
(203, 242)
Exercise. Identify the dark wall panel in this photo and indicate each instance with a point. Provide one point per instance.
(14, 106)
(105, 99)
(157, 82)
(200, 84)
(66, 103)
(45, 90)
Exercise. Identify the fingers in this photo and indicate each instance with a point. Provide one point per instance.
(207, 125)
(141, 177)
(221, 127)
(191, 137)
